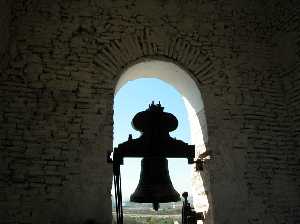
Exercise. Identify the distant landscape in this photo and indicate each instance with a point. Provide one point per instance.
(142, 213)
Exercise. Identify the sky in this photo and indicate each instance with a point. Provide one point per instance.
(133, 97)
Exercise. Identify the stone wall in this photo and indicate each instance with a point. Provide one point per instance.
(5, 20)
(57, 97)
(56, 120)
(287, 38)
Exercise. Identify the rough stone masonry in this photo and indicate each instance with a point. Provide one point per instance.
(61, 60)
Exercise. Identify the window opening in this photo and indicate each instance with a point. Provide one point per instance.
(132, 98)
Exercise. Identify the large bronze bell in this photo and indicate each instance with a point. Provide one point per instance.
(154, 145)
(155, 185)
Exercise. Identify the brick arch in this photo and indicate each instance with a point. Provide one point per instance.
(125, 51)
(121, 52)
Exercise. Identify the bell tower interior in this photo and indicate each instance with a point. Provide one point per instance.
(236, 63)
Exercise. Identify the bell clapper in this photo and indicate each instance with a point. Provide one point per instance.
(155, 206)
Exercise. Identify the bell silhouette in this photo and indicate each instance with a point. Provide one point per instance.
(155, 145)
(155, 185)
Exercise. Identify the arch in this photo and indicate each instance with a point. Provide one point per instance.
(184, 83)
(178, 78)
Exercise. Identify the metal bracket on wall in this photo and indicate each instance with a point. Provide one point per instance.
(201, 159)
(199, 164)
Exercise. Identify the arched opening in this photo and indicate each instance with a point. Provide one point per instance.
(186, 86)
(133, 97)
(175, 76)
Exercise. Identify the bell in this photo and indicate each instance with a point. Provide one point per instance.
(155, 145)
(155, 185)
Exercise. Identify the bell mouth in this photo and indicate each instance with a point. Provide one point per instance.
(155, 194)
(155, 199)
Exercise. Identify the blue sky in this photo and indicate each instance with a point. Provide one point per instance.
(133, 97)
